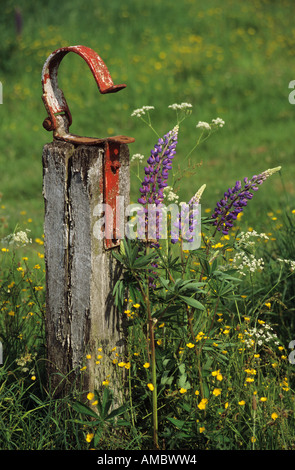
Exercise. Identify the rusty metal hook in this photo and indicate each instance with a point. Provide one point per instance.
(59, 116)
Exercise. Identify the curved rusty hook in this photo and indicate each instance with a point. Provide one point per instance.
(59, 116)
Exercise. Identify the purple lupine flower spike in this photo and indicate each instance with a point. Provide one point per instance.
(155, 180)
(157, 171)
(235, 199)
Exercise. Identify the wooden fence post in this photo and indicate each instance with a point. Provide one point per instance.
(79, 175)
(80, 273)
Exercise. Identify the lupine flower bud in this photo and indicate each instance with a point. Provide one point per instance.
(235, 199)
(186, 218)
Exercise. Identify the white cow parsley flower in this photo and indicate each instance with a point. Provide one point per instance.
(203, 125)
(141, 111)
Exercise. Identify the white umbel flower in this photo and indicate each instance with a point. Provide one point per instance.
(170, 194)
(218, 122)
(203, 125)
(18, 238)
(177, 106)
(141, 111)
(137, 156)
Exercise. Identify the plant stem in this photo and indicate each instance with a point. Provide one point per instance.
(154, 371)
(153, 358)
(190, 323)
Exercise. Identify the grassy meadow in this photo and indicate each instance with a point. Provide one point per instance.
(232, 60)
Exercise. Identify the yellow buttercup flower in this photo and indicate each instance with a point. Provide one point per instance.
(217, 374)
(89, 437)
(203, 403)
(151, 387)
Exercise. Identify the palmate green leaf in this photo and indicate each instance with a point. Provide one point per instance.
(164, 282)
(118, 293)
(107, 399)
(96, 422)
(84, 409)
(117, 412)
(118, 257)
(192, 302)
(179, 423)
(167, 314)
(192, 286)
(123, 422)
(144, 261)
(135, 294)
(182, 286)
(225, 275)
(131, 258)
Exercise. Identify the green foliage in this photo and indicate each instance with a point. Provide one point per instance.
(191, 359)
(105, 415)
(218, 387)
(223, 378)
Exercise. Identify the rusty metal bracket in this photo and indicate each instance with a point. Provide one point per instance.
(59, 116)
(59, 120)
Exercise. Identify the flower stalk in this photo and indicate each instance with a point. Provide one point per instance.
(235, 199)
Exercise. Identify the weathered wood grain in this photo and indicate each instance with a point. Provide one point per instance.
(80, 274)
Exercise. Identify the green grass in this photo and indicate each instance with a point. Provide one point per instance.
(232, 61)
(217, 387)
